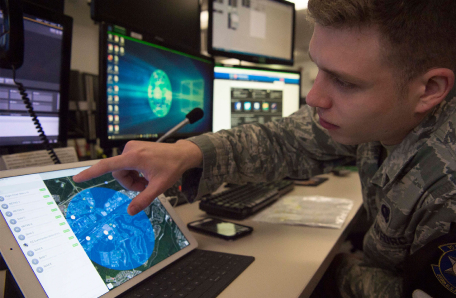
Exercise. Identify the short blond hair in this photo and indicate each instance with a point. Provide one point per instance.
(419, 34)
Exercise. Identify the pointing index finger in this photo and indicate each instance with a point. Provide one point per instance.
(102, 167)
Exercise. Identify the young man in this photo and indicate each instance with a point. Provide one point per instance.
(384, 96)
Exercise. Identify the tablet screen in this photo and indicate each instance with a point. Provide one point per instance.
(78, 238)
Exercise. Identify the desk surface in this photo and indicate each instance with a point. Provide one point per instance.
(289, 260)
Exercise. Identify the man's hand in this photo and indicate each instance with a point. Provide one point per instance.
(161, 165)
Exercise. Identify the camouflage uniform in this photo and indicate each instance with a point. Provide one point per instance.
(410, 196)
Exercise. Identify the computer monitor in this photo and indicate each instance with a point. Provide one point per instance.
(261, 31)
(57, 5)
(245, 94)
(176, 22)
(45, 75)
(147, 88)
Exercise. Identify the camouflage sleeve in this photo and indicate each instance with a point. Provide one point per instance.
(380, 274)
(434, 218)
(356, 279)
(295, 146)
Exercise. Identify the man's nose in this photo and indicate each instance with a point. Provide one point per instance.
(318, 96)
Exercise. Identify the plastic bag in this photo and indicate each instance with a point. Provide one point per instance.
(316, 211)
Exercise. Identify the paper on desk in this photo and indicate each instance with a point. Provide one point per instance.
(316, 211)
(37, 158)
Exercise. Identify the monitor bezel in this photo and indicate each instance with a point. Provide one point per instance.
(251, 57)
(102, 126)
(67, 23)
(56, 5)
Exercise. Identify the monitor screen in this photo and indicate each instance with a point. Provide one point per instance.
(260, 31)
(148, 88)
(175, 22)
(45, 75)
(253, 95)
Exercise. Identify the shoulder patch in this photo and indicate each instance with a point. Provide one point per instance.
(445, 270)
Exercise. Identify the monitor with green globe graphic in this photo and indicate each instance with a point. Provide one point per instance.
(147, 87)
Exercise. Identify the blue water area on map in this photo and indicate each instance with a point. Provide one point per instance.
(110, 237)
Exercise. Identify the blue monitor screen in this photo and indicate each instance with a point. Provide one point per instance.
(150, 88)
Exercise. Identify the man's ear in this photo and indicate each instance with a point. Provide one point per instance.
(437, 83)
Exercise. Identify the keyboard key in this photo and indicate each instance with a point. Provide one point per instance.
(179, 295)
(195, 283)
(214, 278)
(167, 294)
(203, 288)
(188, 288)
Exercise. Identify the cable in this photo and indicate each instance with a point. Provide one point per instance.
(35, 120)
(176, 198)
(4, 33)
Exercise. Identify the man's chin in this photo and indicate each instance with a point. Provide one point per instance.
(347, 140)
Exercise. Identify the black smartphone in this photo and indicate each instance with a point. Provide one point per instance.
(219, 228)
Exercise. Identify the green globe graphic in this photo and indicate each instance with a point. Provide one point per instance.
(160, 94)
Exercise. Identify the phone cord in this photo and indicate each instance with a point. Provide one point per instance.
(35, 120)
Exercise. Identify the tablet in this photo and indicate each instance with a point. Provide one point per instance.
(65, 239)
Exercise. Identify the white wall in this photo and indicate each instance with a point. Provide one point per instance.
(84, 49)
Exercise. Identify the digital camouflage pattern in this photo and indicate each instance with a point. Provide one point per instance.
(410, 196)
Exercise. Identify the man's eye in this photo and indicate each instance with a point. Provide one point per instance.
(343, 84)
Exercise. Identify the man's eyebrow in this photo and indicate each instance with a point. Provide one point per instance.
(338, 74)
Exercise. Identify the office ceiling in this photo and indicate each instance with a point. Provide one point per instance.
(303, 34)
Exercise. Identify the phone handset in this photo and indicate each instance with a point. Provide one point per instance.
(12, 37)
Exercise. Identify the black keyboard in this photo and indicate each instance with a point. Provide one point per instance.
(241, 201)
(199, 274)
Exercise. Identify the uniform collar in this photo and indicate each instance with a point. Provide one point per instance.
(408, 148)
